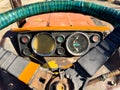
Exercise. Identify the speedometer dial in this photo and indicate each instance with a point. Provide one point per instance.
(77, 44)
(43, 44)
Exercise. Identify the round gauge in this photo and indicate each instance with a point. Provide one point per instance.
(95, 38)
(60, 51)
(25, 39)
(43, 44)
(26, 51)
(60, 39)
(77, 44)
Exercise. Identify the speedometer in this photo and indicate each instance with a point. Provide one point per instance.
(43, 44)
(77, 44)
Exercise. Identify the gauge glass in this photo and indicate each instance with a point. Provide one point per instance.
(60, 39)
(95, 38)
(77, 43)
(25, 39)
(43, 44)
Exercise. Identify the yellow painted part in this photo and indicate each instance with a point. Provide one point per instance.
(51, 64)
(28, 72)
(63, 28)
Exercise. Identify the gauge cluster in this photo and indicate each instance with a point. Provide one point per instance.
(60, 43)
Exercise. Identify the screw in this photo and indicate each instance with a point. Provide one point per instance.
(11, 85)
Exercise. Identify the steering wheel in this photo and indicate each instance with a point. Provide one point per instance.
(83, 68)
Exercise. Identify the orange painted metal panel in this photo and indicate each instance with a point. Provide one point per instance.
(63, 28)
(28, 72)
(59, 19)
(80, 20)
(39, 20)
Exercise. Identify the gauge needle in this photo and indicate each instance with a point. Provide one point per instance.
(76, 44)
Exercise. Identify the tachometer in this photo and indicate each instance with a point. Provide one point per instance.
(77, 44)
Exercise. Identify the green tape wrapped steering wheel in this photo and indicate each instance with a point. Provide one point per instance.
(104, 13)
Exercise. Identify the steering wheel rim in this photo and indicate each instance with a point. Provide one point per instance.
(101, 12)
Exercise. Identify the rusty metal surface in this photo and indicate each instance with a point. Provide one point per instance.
(59, 19)
(40, 80)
